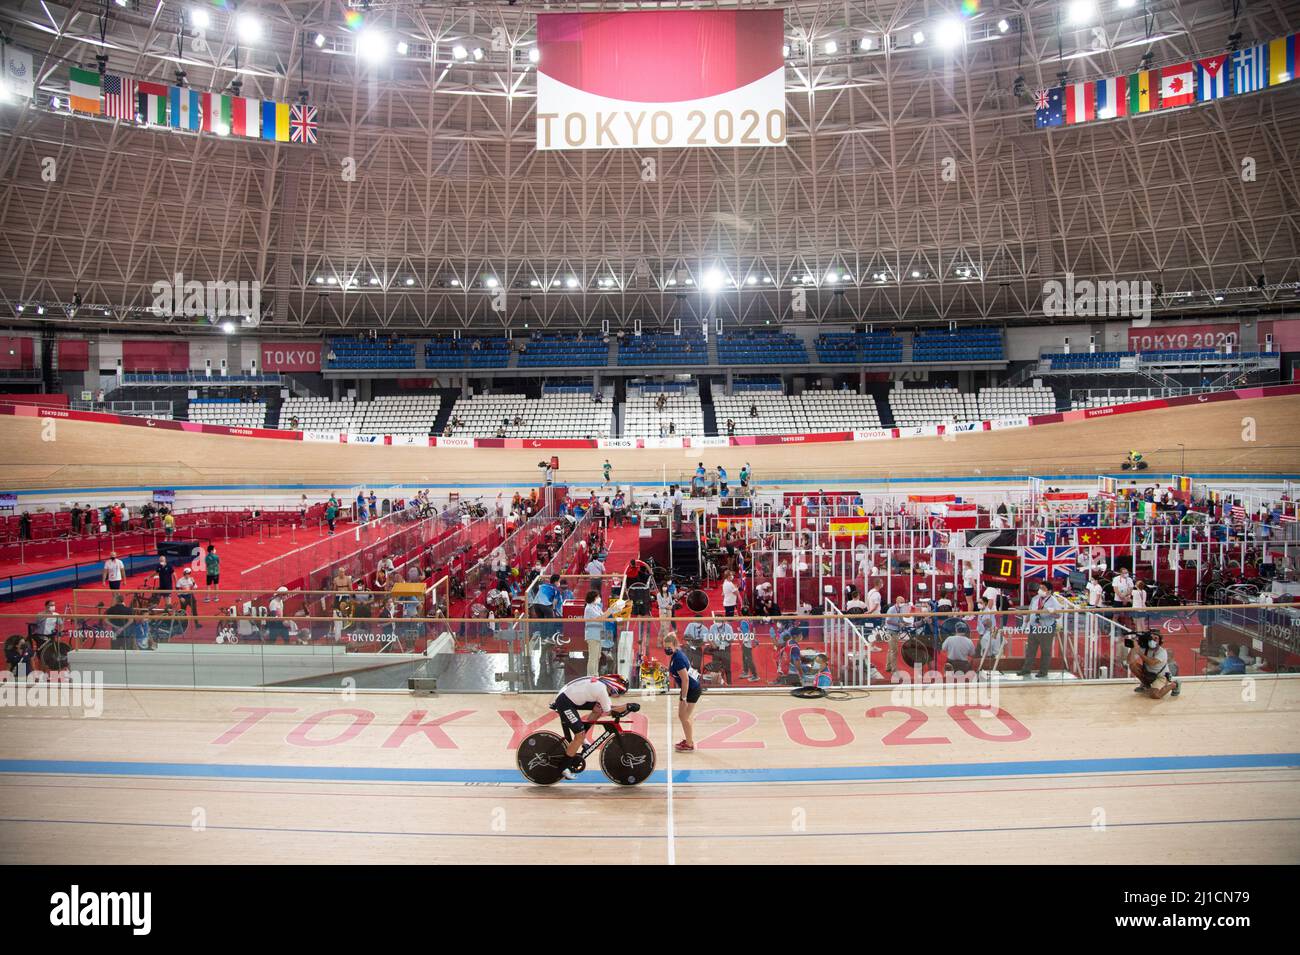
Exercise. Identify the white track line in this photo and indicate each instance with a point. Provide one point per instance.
(668, 736)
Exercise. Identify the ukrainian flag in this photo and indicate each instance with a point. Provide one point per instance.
(281, 122)
(268, 120)
(1282, 60)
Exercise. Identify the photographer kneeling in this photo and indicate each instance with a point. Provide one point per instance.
(1148, 662)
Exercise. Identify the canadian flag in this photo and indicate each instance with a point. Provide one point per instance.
(1176, 87)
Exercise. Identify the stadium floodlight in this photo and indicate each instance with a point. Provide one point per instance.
(672, 281)
(372, 46)
(455, 283)
(785, 50)
(319, 40)
(847, 277)
(915, 274)
(458, 52)
(571, 282)
(248, 28)
(1081, 11)
(320, 280)
(199, 17)
(478, 53)
(491, 281)
(832, 278)
(767, 280)
(40, 309)
(20, 308)
(534, 54)
(331, 281)
(534, 283)
(374, 280)
(831, 47)
(918, 37)
(410, 282)
(402, 48)
(864, 44)
(1004, 26)
(950, 33)
(228, 327)
(751, 280)
(1125, 4)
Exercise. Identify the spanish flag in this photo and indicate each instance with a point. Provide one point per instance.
(849, 527)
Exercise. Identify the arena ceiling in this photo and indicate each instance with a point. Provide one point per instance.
(912, 173)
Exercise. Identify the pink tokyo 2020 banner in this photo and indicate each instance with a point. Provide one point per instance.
(660, 78)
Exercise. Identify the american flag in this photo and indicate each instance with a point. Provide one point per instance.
(1238, 514)
(302, 124)
(1047, 562)
(119, 97)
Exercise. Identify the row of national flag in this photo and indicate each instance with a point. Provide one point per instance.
(178, 107)
(1197, 81)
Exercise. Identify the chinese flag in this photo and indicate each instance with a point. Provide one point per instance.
(1105, 536)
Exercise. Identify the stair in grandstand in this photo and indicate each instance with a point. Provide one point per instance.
(886, 413)
(449, 396)
(710, 415)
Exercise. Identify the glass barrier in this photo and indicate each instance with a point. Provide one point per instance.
(383, 640)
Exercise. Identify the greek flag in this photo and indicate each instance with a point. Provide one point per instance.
(1250, 69)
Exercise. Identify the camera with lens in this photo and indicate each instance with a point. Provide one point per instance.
(1144, 640)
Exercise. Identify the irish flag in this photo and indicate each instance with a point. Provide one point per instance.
(84, 90)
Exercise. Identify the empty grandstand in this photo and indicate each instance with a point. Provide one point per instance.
(474, 352)
(962, 344)
(563, 415)
(761, 348)
(688, 348)
(317, 414)
(231, 412)
(859, 347)
(918, 406)
(398, 414)
(559, 350)
(361, 352)
(661, 411)
(768, 412)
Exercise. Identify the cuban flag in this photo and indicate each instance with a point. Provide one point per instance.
(1045, 562)
(1211, 78)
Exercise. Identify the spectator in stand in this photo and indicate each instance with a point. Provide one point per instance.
(1122, 587)
(169, 525)
(360, 505)
(331, 514)
(501, 567)
(185, 596)
(114, 572)
(1096, 593)
(302, 508)
(25, 527)
(76, 519)
(276, 626)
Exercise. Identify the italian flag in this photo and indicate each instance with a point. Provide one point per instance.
(84, 90)
(153, 103)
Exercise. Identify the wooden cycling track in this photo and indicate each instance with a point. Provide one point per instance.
(1062, 773)
(1250, 436)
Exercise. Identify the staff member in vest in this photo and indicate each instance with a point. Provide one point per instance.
(687, 679)
(114, 571)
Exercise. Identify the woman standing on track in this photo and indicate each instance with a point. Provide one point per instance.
(687, 679)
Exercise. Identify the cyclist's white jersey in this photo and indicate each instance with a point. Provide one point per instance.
(588, 690)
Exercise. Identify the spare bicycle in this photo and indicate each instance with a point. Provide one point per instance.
(626, 758)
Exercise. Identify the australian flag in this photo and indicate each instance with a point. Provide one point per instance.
(1087, 520)
(1047, 562)
(1049, 108)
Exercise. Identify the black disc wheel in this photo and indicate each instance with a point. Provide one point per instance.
(541, 758)
(628, 759)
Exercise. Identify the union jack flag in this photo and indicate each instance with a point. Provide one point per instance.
(1047, 562)
(302, 124)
